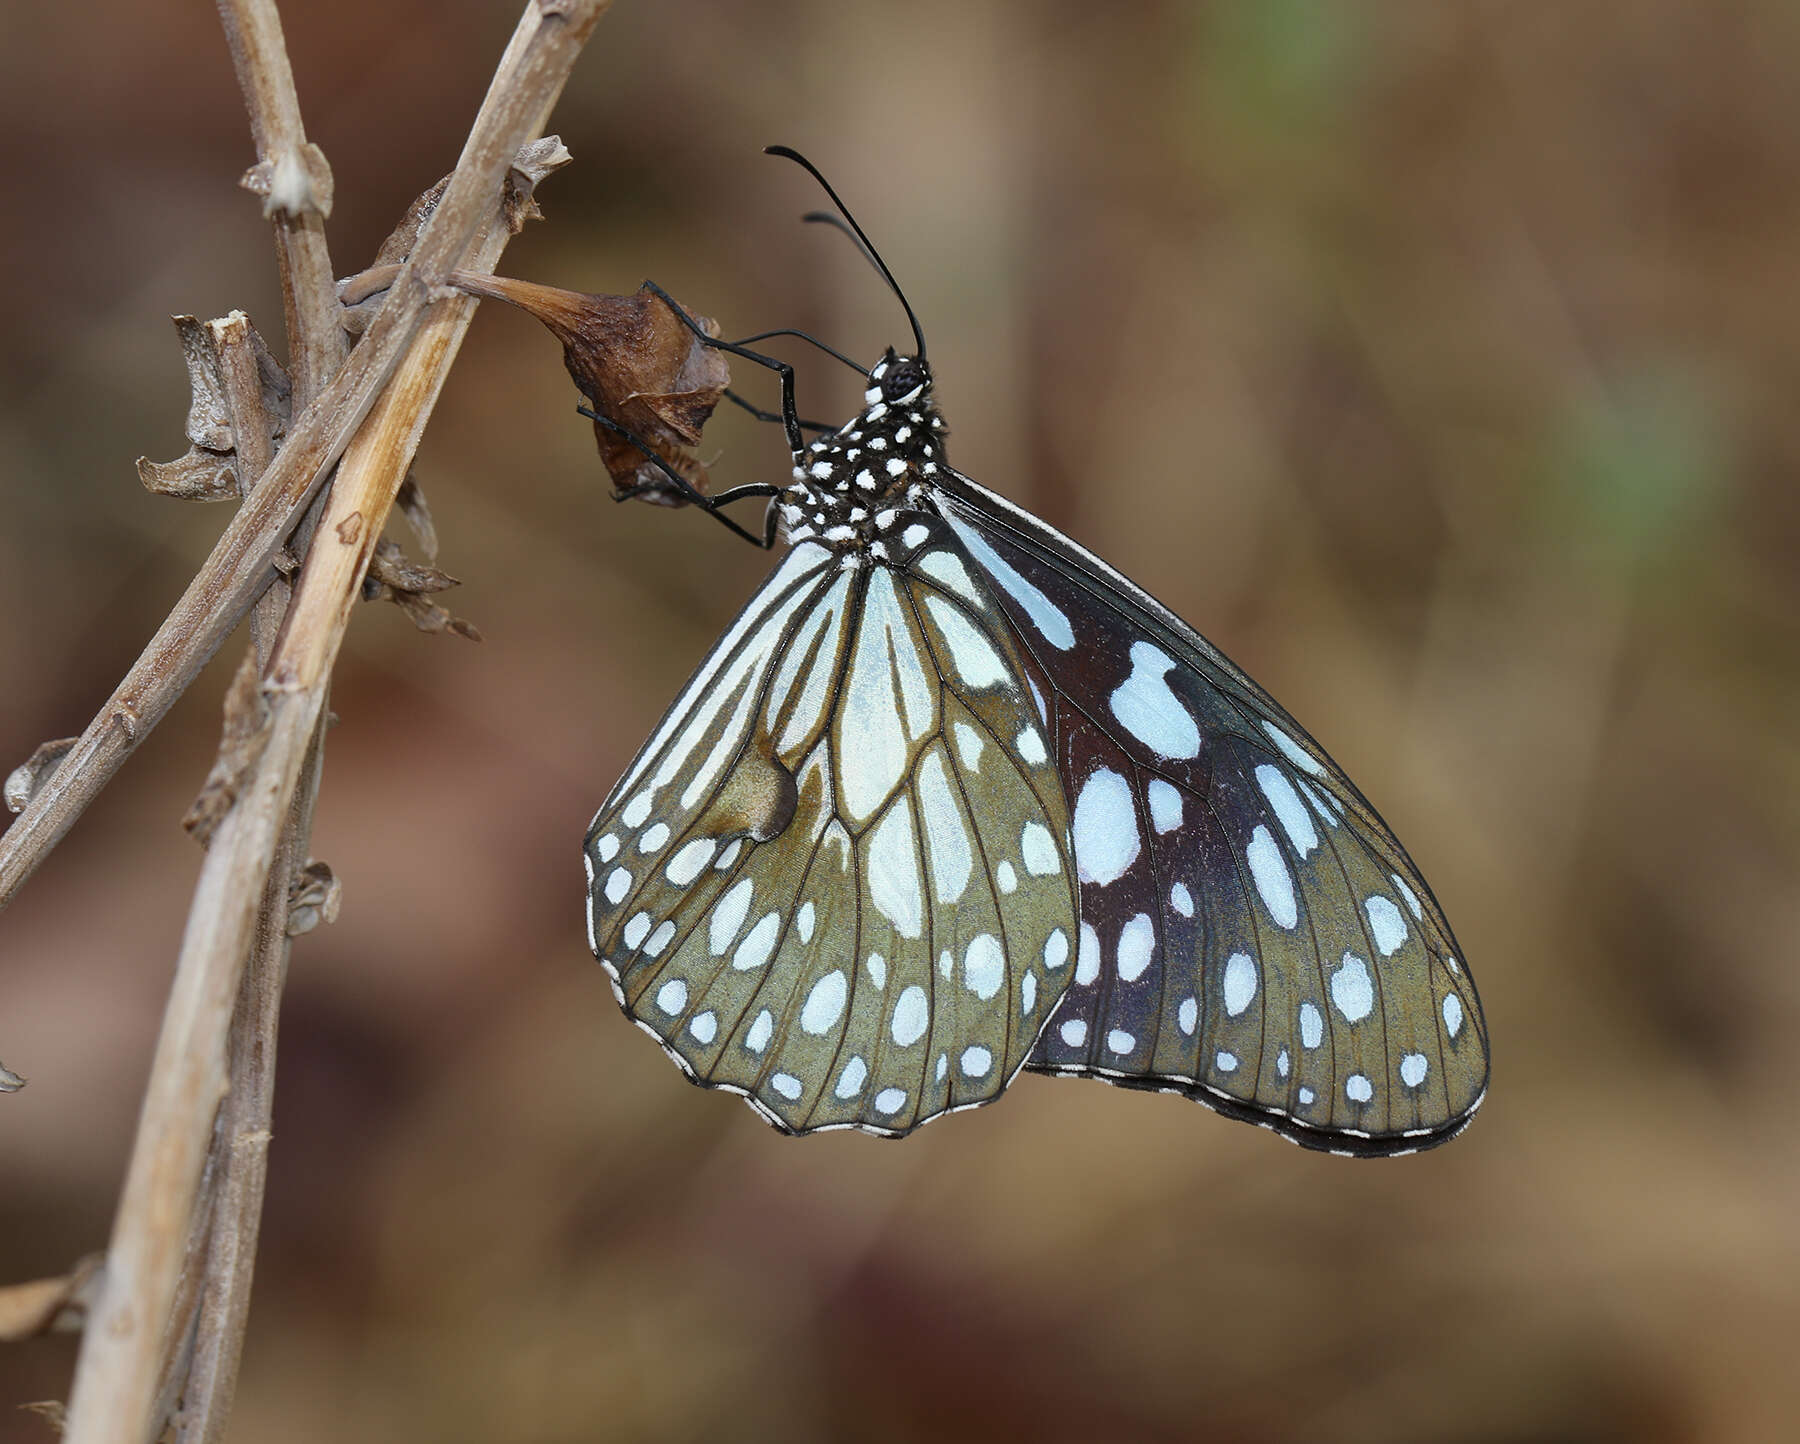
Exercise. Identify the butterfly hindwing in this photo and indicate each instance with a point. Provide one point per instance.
(837, 879)
(1251, 933)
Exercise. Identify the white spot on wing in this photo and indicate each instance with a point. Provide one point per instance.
(660, 938)
(890, 1101)
(872, 725)
(946, 568)
(1293, 751)
(825, 1003)
(705, 1026)
(1240, 983)
(805, 920)
(946, 838)
(1412, 1069)
(636, 929)
(728, 916)
(1056, 949)
(607, 847)
(760, 1032)
(1352, 989)
(618, 883)
(969, 743)
(1045, 615)
(1105, 828)
(1137, 941)
(1120, 1041)
(1031, 747)
(690, 860)
(893, 872)
(984, 966)
(912, 1015)
(672, 996)
(787, 1085)
(850, 1081)
(877, 966)
(1148, 709)
(1225, 1062)
(1386, 926)
(758, 944)
(1181, 899)
(1412, 898)
(1453, 1014)
(1165, 805)
(971, 654)
(1358, 1089)
(1074, 1032)
(654, 837)
(1087, 964)
(976, 1061)
(1037, 850)
(1027, 991)
(1187, 1016)
(1290, 811)
(1273, 882)
(1312, 1026)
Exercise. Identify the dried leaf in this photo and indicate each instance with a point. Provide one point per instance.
(243, 736)
(314, 898)
(208, 471)
(48, 1305)
(392, 577)
(411, 501)
(23, 782)
(639, 366)
(535, 160)
(391, 567)
(197, 476)
(11, 1082)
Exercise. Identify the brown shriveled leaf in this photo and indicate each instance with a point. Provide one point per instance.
(208, 471)
(242, 738)
(410, 499)
(641, 368)
(393, 577)
(48, 1305)
(314, 898)
(23, 782)
(362, 294)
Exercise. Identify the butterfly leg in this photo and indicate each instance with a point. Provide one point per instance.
(790, 418)
(687, 491)
(762, 415)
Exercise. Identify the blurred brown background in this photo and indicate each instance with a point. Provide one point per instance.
(1436, 359)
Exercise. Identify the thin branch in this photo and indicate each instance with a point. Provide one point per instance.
(116, 1374)
(316, 341)
(204, 1343)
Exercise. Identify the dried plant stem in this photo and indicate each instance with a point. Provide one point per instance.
(316, 342)
(204, 1342)
(116, 1376)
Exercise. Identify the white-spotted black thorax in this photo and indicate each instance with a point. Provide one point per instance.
(852, 484)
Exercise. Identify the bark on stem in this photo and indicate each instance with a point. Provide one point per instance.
(116, 1374)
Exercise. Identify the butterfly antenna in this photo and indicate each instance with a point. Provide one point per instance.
(856, 233)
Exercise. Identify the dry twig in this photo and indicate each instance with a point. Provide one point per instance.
(411, 341)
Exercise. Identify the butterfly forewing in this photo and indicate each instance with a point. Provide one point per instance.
(837, 880)
(1250, 932)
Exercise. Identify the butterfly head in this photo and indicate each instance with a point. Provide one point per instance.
(848, 482)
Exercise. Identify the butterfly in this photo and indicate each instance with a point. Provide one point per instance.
(953, 798)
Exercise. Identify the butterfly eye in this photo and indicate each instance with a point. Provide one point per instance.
(903, 378)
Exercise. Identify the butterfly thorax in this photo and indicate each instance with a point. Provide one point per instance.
(852, 485)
